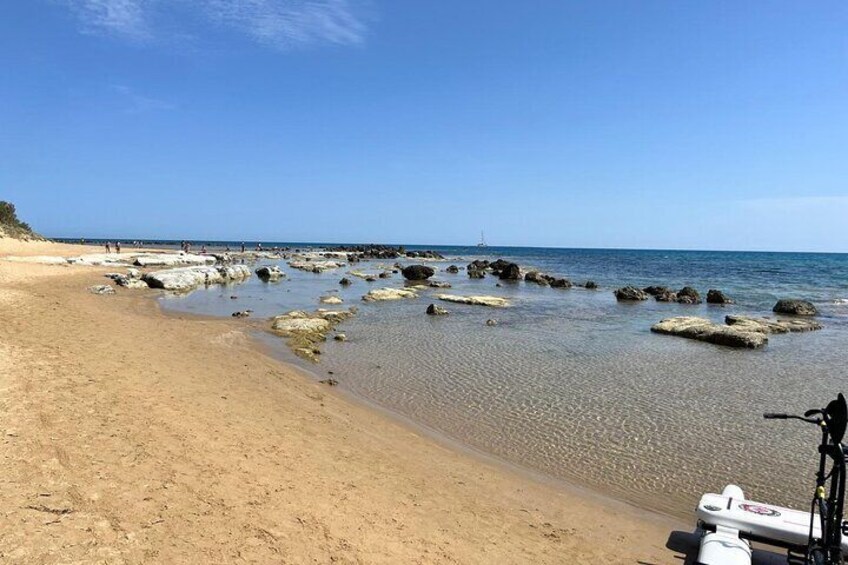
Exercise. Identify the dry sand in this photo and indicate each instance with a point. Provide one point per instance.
(129, 436)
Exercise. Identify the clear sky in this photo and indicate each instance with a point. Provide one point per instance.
(700, 124)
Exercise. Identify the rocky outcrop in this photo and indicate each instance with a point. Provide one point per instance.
(382, 294)
(688, 295)
(439, 284)
(417, 272)
(183, 279)
(476, 274)
(702, 329)
(510, 272)
(305, 263)
(795, 307)
(478, 265)
(453, 269)
(493, 301)
(718, 297)
(558, 283)
(305, 332)
(590, 285)
(270, 273)
(666, 296)
(345, 281)
(630, 293)
(770, 325)
(434, 310)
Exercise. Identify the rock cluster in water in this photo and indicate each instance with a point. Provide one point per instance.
(738, 331)
(306, 331)
(182, 279)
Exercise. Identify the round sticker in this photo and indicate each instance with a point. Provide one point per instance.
(760, 510)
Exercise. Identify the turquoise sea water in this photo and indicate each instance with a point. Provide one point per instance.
(572, 384)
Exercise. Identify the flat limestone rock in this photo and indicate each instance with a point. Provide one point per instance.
(270, 273)
(305, 331)
(330, 300)
(770, 325)
(493, 301)
(172, 259)
(380, 294)
(314, 266)
(702, 329)
(182, 279)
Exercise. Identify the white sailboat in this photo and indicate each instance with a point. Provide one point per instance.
(482, 240)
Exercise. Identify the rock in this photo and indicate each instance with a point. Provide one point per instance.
(718, 297)
(304, 331)
(666, 296)
(329, 382)
(345, 281)
(340, 337)
(629, 293)
(476, 274)
(128, 282)
(795, 307)
(417, 272)
(242, 314)
(330, 300)
(499, 265)
(702, 329)
(493, 301)
(558, 283)
(380, 294)
(478, 265)
(491, 322)
(536, 277)
(101, 289)
(511, 272)
(434, 310)
(385, 275)
(656, 290)
(270, 273)
(172, 259)
(133, 273)
(370, 278)
(688, 295)
(771, 326)
(453, 269)
(308, 264)
(591, 285)
(183, 279)
(439, 284)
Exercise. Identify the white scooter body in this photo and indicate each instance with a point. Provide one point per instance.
(724, 546)
(730, 513)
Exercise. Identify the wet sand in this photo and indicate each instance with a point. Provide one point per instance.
(134, 437)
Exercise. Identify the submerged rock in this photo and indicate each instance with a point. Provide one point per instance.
(307, 264)
(558, 283)
(330, 300)
(434, 310)
(630, 293)
(242, 314)
(270, 273)
(439, 284)
(702, 329)
(795, 307)
(453, 269)
(380, 294)
(771, 326)
(417, 272)
(590, 285)
(345, 281)
(493, 301)
(491, 322)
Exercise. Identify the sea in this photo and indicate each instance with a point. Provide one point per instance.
(572, 384)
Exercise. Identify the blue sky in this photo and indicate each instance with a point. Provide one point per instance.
(658, 124)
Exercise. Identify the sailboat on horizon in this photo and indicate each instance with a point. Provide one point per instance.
(482, 240)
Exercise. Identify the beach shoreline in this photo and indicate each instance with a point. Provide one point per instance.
(200, 447)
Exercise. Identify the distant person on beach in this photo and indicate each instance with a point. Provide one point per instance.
(117, 246)
(259, 247)
(108, 247)
(203, 250)
(242, 247)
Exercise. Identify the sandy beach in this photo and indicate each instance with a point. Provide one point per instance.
(130, 436)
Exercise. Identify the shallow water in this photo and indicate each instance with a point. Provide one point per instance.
(573, 384)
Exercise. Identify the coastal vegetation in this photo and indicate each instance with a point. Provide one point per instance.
(12, 226)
